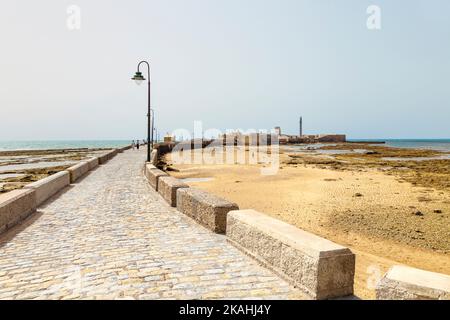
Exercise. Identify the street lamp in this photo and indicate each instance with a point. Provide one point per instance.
(153, 123)
(139, 78)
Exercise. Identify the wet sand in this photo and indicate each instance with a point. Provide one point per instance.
(373, 209)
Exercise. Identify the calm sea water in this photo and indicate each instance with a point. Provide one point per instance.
(54, 144)
(434, 144)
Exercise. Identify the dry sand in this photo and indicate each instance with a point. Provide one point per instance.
(382, 218)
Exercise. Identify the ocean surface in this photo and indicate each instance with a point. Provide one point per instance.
(55, 144)
(434, 144)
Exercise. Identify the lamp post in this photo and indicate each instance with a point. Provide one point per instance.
(139, 78)
(153, 124)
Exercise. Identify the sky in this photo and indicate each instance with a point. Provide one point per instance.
(249, 64)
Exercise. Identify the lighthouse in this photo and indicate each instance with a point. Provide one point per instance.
(301, 127)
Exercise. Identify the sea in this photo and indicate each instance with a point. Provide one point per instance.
(434, 144)
(60, 144)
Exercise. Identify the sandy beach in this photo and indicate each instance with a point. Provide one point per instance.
(387, 211)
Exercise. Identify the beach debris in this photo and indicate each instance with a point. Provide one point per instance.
(237, 181)
(437, 211)
(418, 213)
(358, 194)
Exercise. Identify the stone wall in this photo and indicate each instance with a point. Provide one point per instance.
(153, 175)
(167, 188)
(102, 158)
(93, 163)
(207, 209)
(15, 206)
(319, 267)
(406, 283)
(109, 155)
(120, 150)
(78, 170)
(45, 188)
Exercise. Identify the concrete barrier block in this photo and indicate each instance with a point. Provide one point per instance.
(154, 157)
(111, 154)
(120, 150)
(168, 186)
(205, 208)
(319, 267)
(102, 158)
(406, 283)
(108, 155)
(78, 170)
(93, 163)
(47, 187)
(15, 206)
(153, 175)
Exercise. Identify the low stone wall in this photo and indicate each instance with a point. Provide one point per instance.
(15, 206)
(154, 157)
(120, 150)
(167, 188)
(107, 156)
(78, 170)
(153, 174)
(47, 187)
(406, 283)
(205, 208)
(103, 158)
(112, 153)
(92, 163)
(319, 267)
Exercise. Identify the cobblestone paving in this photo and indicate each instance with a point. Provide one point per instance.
(110, 236)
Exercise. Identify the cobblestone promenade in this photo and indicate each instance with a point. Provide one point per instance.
(110, 236)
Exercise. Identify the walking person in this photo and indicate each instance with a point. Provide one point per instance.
(133, 145)
(137, 145)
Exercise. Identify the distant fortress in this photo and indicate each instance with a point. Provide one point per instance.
(309, 138)
(282, 138)
(247, 138)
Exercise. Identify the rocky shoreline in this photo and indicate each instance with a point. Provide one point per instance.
(21, 167)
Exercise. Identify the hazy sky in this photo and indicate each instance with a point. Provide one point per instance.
(229, 63)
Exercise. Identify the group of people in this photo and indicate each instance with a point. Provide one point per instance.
(135, 145)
